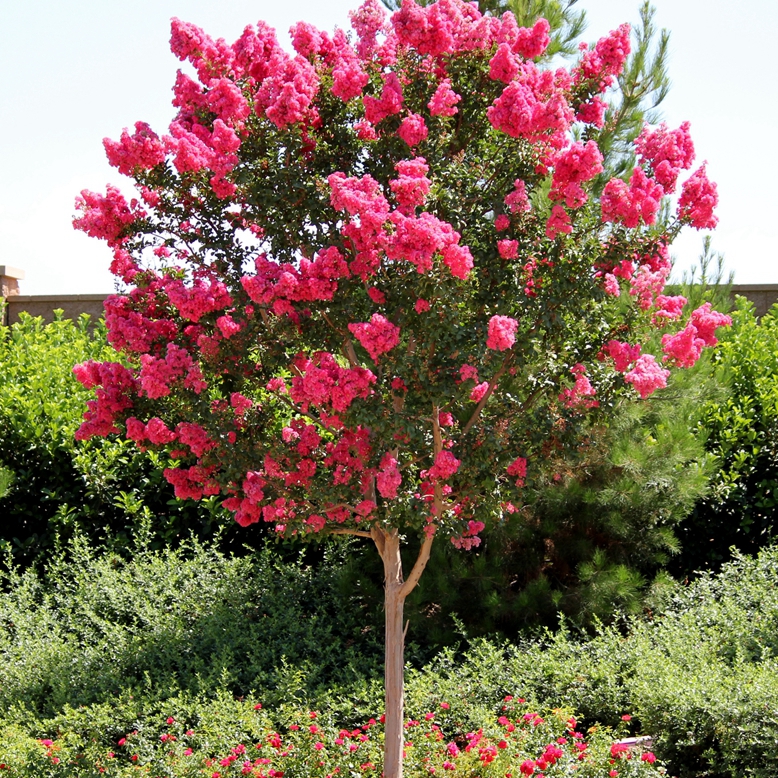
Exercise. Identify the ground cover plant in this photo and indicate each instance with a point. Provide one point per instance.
(378, 287)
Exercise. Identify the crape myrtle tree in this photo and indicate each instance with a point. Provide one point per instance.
(368, 291)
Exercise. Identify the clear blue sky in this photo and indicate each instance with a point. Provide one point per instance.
(78, 71)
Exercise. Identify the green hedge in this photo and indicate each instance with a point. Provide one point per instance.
(167, 633)
(100, 487)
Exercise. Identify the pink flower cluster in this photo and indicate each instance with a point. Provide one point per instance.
(533, 105)
(378, 336)
(155, 431)
(418, 238)
(142, 150)
(363, 200)
(647, 375)
(518, 469)
(446, 465)
(502, 333)
(444, 101)
(321, 381)
(684, 348)
(195, 301)
(631, 204)
(572, 167)
(388, 478)
(580, 395)
(158, 373)
(192, 483)
(280, 284)
(606, 60)
(622, 354)
(105, 217)
(698, 199)
(132, 330)
(517, 199)
(647, 285)
(389, 103)
(667, 151)
(469, 538)
(411, 186)
(115, 387)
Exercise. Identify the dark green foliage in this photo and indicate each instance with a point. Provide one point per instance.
(58, 483)
(96, 627)
(591, 540)
(742, 507)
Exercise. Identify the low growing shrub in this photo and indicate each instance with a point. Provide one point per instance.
(224, 737)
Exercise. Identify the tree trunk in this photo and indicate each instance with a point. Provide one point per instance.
(394, 598)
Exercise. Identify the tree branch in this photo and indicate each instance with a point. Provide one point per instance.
(360, 533)
(421, 563)
(482, 402)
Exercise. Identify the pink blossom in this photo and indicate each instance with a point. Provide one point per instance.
(288, 91)
(446, 464)
(158, 432)
(378, 336)
(504, 65)
(417, 239)
(225, 99)
(412, 186)
(518, 469)
(592, 112)
(634, 203)
(530, 107)
(420, 306)
(517, 200)
(479, 391)
(307, 41)
(667, 151)
(698, 199)
(646, 284)
(322, 381)
(707, 321)
(508, 249)
(558, 223)
(368, 20)
(611, 285)
(142, 150)
(669, 308)
(388, 478)
(531, 43)
(444, 101)
(105, 217)
(575, 165)
(606, 60)
(376, 295)
(502, 222)
(502, 333)
(412, 129)
(195, 301)
(622, 354)
(579, 396)
(647, 375)
(458, 259)
(389, 103)
(348, 77)
(468, 373)
(684, 347)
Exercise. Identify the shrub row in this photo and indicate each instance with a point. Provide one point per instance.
(99, 645)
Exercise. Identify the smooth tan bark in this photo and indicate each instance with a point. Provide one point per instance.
(394, 657)
(396, 589)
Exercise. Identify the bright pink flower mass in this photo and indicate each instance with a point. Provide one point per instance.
(332, 251)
